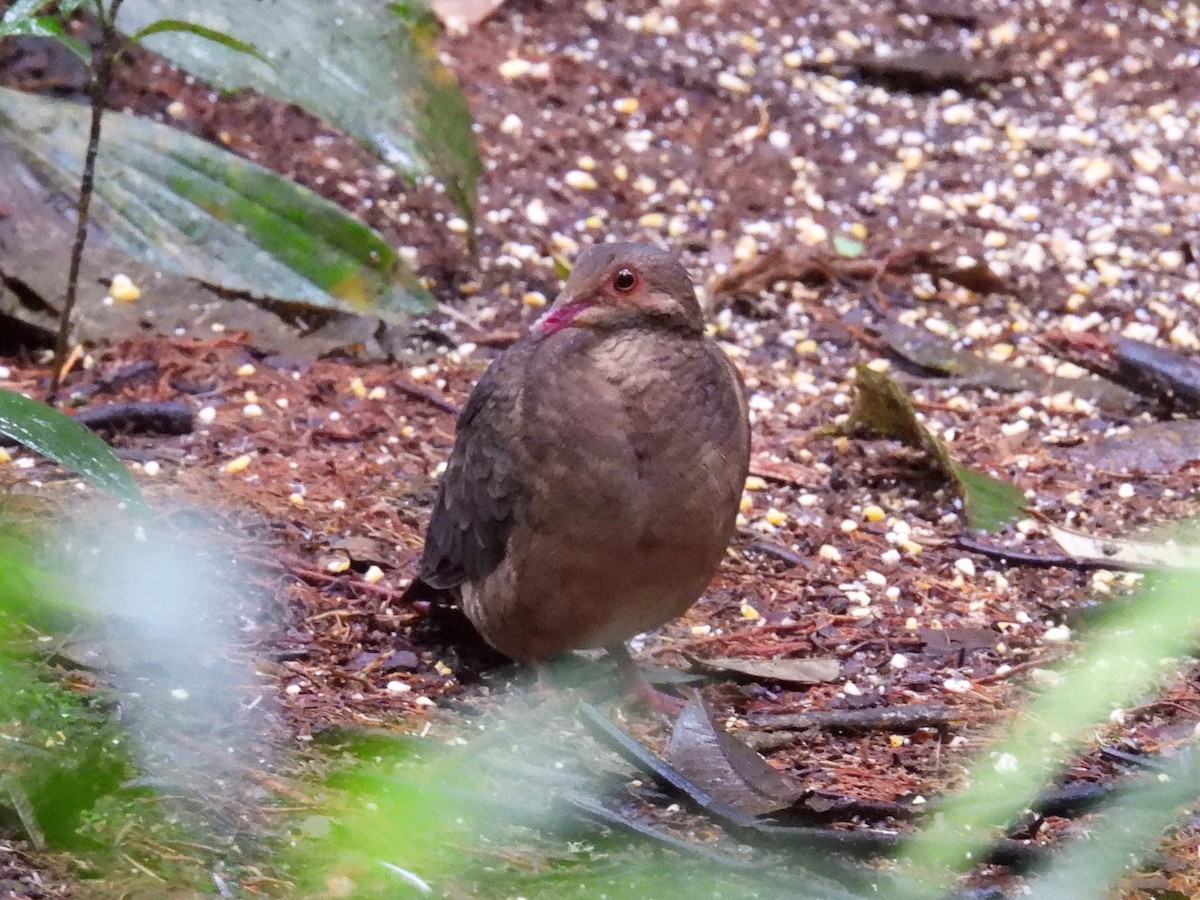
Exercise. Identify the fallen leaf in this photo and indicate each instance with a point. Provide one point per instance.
(929, 69)
(952, 640)
(725, 767)
(1128, 553)
(991, 503)
(1149, 448)
(774, 671)
(362, 549)
(922, 348)
(881, 405)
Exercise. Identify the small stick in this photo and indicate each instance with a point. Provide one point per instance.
(421, 393)
(1044, 561)
(885, 718)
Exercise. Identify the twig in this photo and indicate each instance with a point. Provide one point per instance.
(421, 393)
(1133, 759)
(1043, 561)
(98, 91)
(1018, 669)
(137, 865)
(884, 718)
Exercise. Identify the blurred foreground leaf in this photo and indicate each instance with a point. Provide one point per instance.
(186, 206)
(881, 405)
(61, 749)
(1129, 656)
(50, 433)
(367, 67)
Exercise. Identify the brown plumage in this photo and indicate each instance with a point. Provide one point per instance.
(597, 468)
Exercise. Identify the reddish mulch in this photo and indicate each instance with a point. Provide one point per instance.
(1060, 147)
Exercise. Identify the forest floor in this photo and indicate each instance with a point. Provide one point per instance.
(1012, 175)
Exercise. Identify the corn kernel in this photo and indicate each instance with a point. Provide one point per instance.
(123, 290)
(241, 464)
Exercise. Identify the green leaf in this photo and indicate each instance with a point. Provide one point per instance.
(50, 433)
(22, 19)
(373, 75)
(47, 27)
(184, 205)
(847, 246)
(22, 11)
(562, 266)
(991, 503)
(881, 405)
(164, 26)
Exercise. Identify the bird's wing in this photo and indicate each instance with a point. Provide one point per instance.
(473, 514)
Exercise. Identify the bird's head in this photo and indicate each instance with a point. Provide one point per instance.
(615, 286)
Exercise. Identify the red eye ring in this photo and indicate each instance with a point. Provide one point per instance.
(625, 281)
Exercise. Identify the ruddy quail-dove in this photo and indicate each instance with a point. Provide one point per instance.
(597, 469)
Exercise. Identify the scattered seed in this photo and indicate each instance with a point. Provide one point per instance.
(957, 685)
(580, 180)
(1059, 634)
(241, 464)
(123, 290)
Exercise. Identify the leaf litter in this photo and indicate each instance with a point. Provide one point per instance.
(876, 536)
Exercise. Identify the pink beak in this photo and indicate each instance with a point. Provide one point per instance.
(560, 317)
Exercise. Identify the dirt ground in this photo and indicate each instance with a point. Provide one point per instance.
(1055, 142)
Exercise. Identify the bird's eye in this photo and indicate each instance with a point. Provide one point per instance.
(625, 280)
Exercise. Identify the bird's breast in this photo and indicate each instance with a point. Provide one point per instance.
(637, 442)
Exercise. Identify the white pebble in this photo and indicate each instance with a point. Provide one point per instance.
(536, 213)
(1006, 762)
(732, 83)
(580, 180)
(958, 114)
(1059, 634)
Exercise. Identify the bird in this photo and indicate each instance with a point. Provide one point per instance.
(597, 469)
